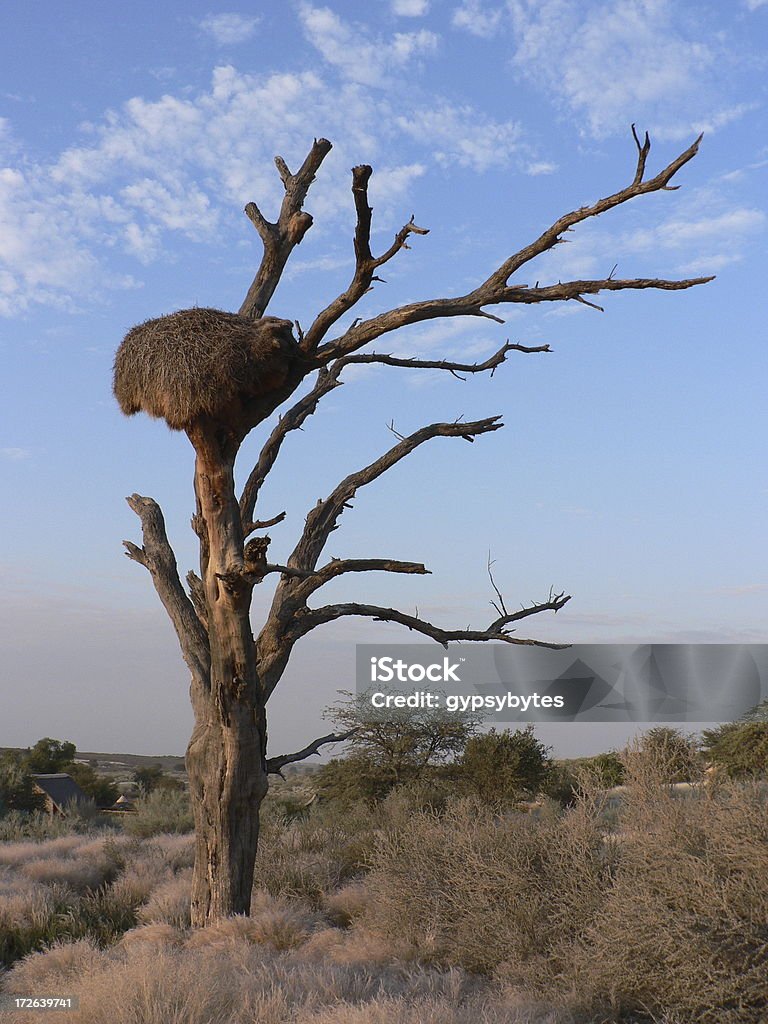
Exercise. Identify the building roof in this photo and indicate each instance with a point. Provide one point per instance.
(61, 788)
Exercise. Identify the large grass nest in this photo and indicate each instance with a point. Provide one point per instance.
(200, 362)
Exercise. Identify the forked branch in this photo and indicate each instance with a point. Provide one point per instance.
(339, 566)
(366, 264)
(280, 238)
(293, 419)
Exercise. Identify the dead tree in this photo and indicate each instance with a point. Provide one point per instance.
(218, 375)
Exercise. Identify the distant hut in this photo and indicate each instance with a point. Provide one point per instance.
(123, 805)
(60, 791)
(202, 362)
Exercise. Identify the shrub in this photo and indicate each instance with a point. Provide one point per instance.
(99, 788)
(672, 755)
(741, 748)
(346, 780)
(160, 811)
(682, 931)
(477, 890)
(502, 767)
(38, 825)
(17, 787)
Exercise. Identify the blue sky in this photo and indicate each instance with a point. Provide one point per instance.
(631, 472)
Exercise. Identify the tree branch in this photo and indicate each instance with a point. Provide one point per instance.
(455, 368)
(365, 263)
(321, 521)
(315, 617)
(280, 238)
(326, 381)
(494, 290)
(339, 566)
(276, 764)
(157, 556)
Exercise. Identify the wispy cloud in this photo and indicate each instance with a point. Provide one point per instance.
(538, 167)
(753, 5)
(477, 18)
(355, 53)
(15, 454)
(410, 8)
(627, 60)
(462, 135)
(154, 168)
(229, 28)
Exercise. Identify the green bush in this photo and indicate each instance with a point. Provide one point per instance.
(346, 780)
(741, 748)
(50, 756)
(502, 767)
(101, 790)
(17, 787)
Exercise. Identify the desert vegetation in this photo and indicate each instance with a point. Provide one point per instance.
(434, 904)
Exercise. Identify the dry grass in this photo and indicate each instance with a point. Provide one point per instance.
(347, 904)
(169, 901)
(15, 854)
(200, 362)
(273, 922)
(663, 919)
(156, 983)
(79, 875)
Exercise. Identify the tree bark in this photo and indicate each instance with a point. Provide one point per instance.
(226, 757)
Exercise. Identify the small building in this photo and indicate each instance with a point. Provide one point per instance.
(60, 790)
(123, 805)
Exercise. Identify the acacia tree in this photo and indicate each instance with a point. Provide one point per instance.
(217, 376)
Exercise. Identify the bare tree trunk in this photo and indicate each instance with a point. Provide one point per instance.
(226, 757)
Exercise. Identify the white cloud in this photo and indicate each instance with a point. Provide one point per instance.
(477, 19)
(462, 135)
(410, 8)
(151, 171)
(15, 454)
(618, 62)
(705, 124)
(227, 29)
(703, 266)
(355, 54)
(681, 232)
(753, 5)
(538, 167)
